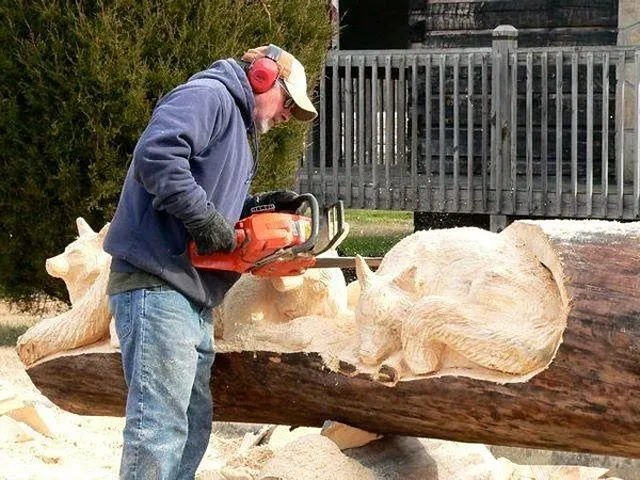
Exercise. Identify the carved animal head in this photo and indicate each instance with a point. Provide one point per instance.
(82, 260)
(272, 300)
(316, 292)
(382, 306)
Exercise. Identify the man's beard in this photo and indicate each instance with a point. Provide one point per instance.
(263, 126)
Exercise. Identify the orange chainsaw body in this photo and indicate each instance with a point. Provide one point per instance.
(263, 240)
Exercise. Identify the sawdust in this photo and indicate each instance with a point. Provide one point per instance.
(313, 457)
(82, 447)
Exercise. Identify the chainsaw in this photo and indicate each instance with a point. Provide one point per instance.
(283, 244)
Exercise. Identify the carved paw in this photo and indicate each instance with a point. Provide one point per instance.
(423, 358)
(391, 369)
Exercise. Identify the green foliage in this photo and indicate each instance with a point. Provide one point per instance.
(9, 334)
(78, 81)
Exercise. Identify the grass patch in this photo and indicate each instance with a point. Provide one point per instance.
(369, 246)
(375, 216)
(9, 334)
(373, 232)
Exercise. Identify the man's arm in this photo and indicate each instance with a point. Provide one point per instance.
(182, 125)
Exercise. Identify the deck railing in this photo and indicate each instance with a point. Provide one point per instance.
(504, 131)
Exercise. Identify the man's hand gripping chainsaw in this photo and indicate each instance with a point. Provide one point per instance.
(282, 244)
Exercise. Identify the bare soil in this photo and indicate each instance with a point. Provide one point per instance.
(86, 448)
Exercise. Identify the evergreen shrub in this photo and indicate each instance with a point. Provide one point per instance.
(78, 81)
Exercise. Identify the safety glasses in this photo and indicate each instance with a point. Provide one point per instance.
(288, 101)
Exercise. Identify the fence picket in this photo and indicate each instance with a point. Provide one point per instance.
(413, 203)
(400, 134)
(391, 121)
(470, 128)
(589, 173)
(574, 132)
(456, 133)
(636, 160)
(529, 129)
(348, 132)
(362, 134)
(559, 130)
(336, 112)
(485, 131)
(605, 131)
(428, 113)
(442, 136)
(388, 112)
(620, 87)
(514, 133)
(544, 134)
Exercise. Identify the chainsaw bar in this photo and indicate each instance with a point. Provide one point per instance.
(344, 262)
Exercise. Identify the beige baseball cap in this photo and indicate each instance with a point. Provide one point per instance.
(292, 73)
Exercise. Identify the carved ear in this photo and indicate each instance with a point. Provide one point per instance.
(83, 226)
(103, 232)
(408, 280)
(363, 272)
(284, 284)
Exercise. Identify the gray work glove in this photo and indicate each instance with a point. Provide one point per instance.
(213, 234)
(282, 200)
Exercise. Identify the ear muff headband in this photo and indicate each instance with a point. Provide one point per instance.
(264, 71)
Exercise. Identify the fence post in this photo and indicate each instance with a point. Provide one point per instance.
(505, 42)
(629, 34)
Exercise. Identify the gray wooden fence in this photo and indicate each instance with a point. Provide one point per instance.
(548, 132)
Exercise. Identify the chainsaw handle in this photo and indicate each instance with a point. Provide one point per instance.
(240, 236)
(308, 245)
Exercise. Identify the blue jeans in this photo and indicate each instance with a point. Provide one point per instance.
(167, 353)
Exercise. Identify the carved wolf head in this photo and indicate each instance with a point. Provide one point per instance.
(81, 261)
(383, 305)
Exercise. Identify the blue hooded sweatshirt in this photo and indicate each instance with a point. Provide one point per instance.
(193, 156)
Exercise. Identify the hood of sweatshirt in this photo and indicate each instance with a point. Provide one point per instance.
(233, 77)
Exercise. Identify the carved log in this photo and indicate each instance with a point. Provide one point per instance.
(586, 400)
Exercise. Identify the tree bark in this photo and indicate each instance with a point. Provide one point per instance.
(587, 400)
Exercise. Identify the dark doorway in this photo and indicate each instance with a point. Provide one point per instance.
(374, 24)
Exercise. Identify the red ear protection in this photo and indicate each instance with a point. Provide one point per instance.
(264, 71)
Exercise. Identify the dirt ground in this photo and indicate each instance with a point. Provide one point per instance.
(83, 447)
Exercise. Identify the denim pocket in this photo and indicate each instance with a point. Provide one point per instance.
(120, 305)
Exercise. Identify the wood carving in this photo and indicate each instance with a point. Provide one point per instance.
(258, 302)
(81, 262)
(310, 369)
(84, 267)
(461, 301)
(476, 304)
(255, 308)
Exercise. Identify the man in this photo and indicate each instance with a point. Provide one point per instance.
(189, 179)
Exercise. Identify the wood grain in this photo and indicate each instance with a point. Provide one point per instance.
(585, 401)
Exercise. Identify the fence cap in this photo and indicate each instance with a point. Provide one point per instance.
(505, 31)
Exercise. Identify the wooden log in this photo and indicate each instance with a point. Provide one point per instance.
(585, 401)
